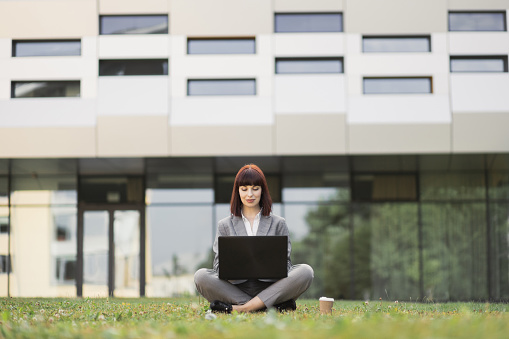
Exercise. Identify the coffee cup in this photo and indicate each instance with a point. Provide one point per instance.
(326, 305)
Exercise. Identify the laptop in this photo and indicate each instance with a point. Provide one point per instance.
(253, 257)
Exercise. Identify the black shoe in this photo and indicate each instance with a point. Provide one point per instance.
(288, 305)
(219, 306)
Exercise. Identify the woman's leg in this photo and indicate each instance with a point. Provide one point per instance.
(212, 288)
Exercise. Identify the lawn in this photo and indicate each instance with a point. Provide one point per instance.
(188, 317)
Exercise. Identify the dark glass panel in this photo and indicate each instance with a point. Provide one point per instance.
(111, 166)
(5, 264)
(45, 89)
(134, 24)
(480, 21)
(44, 166)
(499, 247)
(327, 186)
(111, 190)
(454, 251)
(396, 44)
(221, 46)
(384, 163)
(479, 64)
(309, 65)
(452, 186)
(222, 87)
(498, 185)
(386, 258)
(384, 187)
(133, 67)
(4, 190)
(397, 85)
(46, 48)
(308, 22)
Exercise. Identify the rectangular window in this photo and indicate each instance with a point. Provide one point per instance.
(133, 67)
(221, 46)
(396, 44)
(5, 264)
(65, 270)
(45, 89)
(28, 48)
(308, 22)
(384, 187)
(477, 21)
(479, 63)
(221, 87)
(416, 85)
(309, 65)
(133, 24)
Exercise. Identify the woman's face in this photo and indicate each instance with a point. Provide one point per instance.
(250, 195)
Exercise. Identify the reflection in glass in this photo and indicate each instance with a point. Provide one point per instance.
(46, 48)
(397, 85)
(479, 64)
(499, 248)
(134, 24)
(5, 259)
(454, 251)
(95, 253)
(45, 89)
(384, 187)
(221, 46)
(4, 191)
(178, 195)
(179, 242)
(44, 190)
(308, 65)
(63, 245)
(133, 67)
(452, 186)
(396, 44)
(308, 22)
(126, 231)
(470, 21)
(499, 185)
(222, 87)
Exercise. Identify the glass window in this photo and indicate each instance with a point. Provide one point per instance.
(63, 245)
(478, 63)
(117, 189)
(222, 87)
(45, 89)
(309, 65)
(133, 67)
(308, 22)
(43, 190)
(477, 21)
(221, 46)
(29, 48)
(4, 191)
(383, 44)
(499, 249)
(397, 85)
(384, 187)
(499, 185)
(316, 187)
(5, 264)
(452, 186)
(133, 24)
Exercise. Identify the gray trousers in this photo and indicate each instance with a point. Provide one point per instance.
(212, 288)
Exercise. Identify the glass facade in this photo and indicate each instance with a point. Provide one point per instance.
(397, 85)
(133, 24)
(308, 65)
(396, 44)
(221, 87)
(430, 227)
(45, 89)
(29, 48)
(308, 22)
(221, 46)
(133, 67)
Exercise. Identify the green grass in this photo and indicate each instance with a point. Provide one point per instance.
(187, 317)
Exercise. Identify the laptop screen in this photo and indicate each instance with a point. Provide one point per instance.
(253, 257)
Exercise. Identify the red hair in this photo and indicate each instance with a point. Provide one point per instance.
(250, 175)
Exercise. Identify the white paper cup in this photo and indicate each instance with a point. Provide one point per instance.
(326, 305)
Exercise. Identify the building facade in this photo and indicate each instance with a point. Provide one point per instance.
(381, 127)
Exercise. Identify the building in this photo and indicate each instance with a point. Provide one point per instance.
(382, 127)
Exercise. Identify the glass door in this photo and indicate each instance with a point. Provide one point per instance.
(109, 252)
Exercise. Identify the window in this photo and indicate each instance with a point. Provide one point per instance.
(30, 48)
(397, 85)
(45, 89)
(5, 264)
(384, 187)
(221, 87)
(479, 63)
(65, 270)
(309, 65)
(388, 44)
(308, 22)
(133, 67)
(133, 24)
(4, 224)
(221, 46)
(477, 21)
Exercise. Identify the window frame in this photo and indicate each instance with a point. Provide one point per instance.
(133, 15)
(503, 58)
(16, 41)
(397, 77)
(102, 61)
(504, 14)
(340, 59)
(222, 79)
(14, 82)
(189, 39)
(402, 37)
(341, 16)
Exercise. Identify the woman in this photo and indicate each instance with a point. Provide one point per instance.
(251, 207)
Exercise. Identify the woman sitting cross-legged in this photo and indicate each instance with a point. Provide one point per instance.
(251, 215)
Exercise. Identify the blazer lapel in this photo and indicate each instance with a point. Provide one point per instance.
(264, 226)
(238, 226)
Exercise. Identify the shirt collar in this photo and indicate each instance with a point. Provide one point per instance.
(257, 217)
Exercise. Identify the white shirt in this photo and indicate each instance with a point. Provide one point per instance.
(252, 231)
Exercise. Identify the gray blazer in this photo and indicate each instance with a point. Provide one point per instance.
(234, 226)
